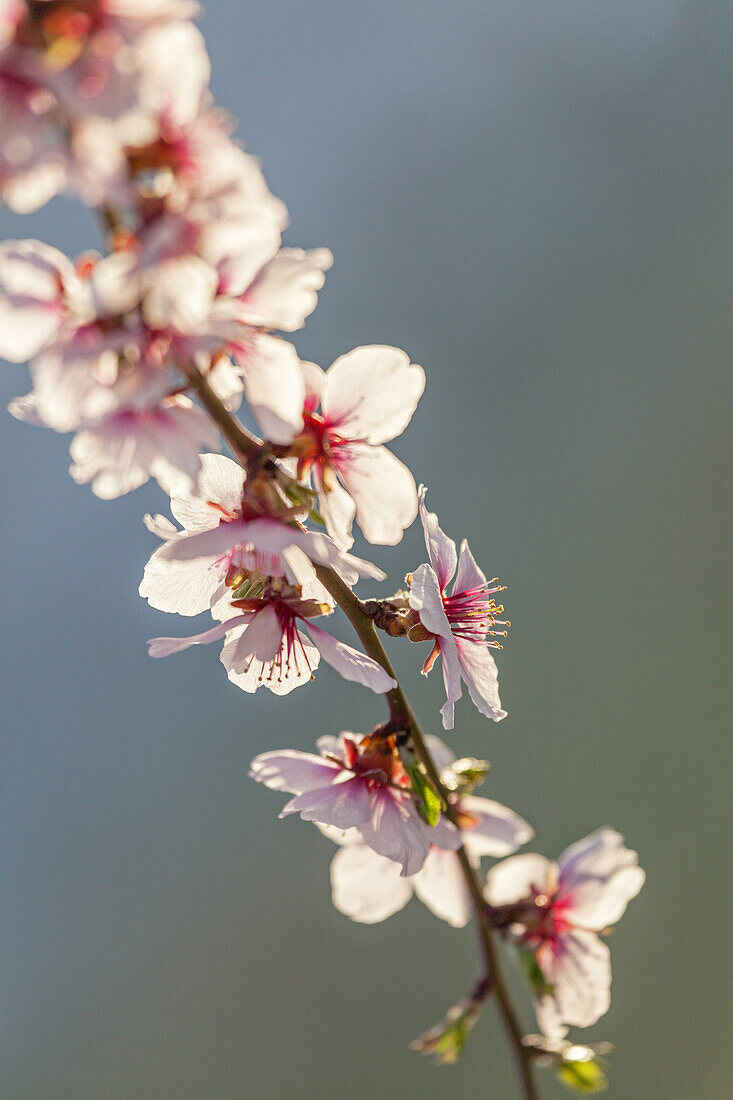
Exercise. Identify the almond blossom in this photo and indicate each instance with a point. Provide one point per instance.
(557, 912)
(461, 625)
(187, 576)
(367, 887)
(357, 782)
(366, 398)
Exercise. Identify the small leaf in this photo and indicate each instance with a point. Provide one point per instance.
(429, 803)
(582, 1076)
(533, 973)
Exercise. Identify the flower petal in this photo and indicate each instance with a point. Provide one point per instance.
(274, 387)
(163, 647)
(350, 663)
(338, 510)
(383, 490)
(481, 675)
(365, 886)
(580, 972)
(285, 291)
(468, 574)
(340, 804)
(441, 886)
(513, 878)
(182, 587)
(498, 831)
(290, 770)
(425, 598)
(395, 830)
(441, 549)
(599, 876)
(372, 392)
(220, 481)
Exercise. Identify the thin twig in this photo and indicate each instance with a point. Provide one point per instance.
(247, 449)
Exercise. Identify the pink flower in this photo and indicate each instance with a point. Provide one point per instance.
(34, 159)
(40, 293)
(368, 888)
(461, 625)
(366, 398)
(357, 783)
(556, 912)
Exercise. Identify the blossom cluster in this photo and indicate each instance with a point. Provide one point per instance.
(146, 351)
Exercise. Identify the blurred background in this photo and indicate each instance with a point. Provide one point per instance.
(533, 199)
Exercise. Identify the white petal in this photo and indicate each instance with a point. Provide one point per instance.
(581, 974)
(383, 490)
(498, 831)
(599, 876)
(513, 879)
(315, 380)
(181, 295)
(372, 392)
(163, 647)
(281, 676)
(174, 70)
(344, 838)
(31, 297)
(451, 670)
(481, 675)
(367, 887)
(289, 770)
(220, 481)
(160, 526)
(285, 291)
(441, 549)
(468, 574)
(441, 886)
(425, 598)
(395, 830)
(350, 663)
(338, 510)
(182, 587)
(275, 389)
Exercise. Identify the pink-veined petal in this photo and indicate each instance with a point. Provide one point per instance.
(31, 297)
(372, 392)
(451, 670)
(367, 887)
(395, 830)
(425, 598)
(343, 805)
(350, 663)
(293, 771)
(220, 482)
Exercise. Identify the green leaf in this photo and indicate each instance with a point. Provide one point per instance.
(429, 803)
(532, 972)
(584, 1077)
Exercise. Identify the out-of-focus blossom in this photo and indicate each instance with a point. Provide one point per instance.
(366, 398)
(556, 911)
(462, 625)
(357, 783)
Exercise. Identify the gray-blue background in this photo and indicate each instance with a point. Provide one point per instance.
(534, 199)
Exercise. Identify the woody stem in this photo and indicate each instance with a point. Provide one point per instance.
(247, 449)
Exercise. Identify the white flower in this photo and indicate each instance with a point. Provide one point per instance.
(460, 625)
(366, 398)
(557, 911)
